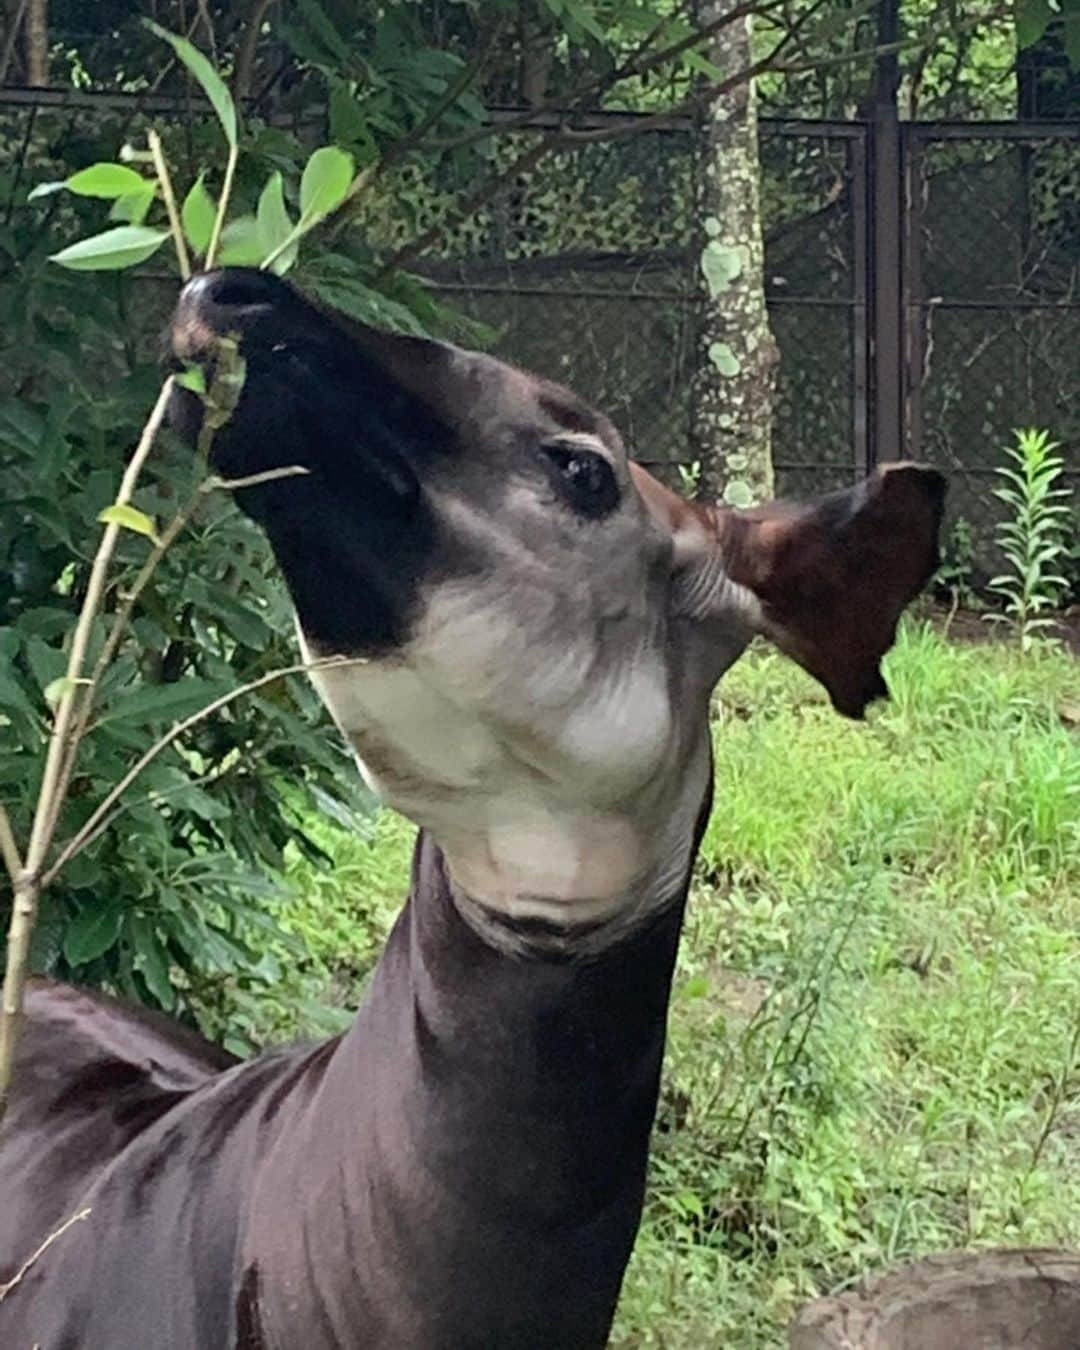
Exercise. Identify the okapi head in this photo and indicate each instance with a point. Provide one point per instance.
(542, 621)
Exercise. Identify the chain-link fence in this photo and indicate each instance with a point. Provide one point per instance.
(993, 300)
(584, 268)
(586, 271)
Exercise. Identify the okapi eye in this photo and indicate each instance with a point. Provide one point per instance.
(584, 478)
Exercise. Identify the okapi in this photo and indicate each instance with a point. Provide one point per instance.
(543, 624)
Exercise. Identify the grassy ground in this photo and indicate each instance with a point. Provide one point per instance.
(874, 1043)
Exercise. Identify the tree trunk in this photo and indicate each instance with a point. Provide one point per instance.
(731, 395)
(37, 42)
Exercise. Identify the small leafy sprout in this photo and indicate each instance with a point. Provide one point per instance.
(270, 238)
(127, 517)
(1032, 538)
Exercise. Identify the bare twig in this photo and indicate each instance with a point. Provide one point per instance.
(161, 168)
(9, 850)
(636, 64)
(223, 206)
(467, 77)
(212, 483)
(20, 1274)
(120, 623)
(103, 813)
(245, 56)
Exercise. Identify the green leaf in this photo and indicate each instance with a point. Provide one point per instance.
(152, 960)
(106, 180)
(13, 696)
(129, 518)
(240, 246)
(1032, 19)
(132, 207)
(347, 120)
(164, 702)
(124, 246)
(211, 83)
(1070, 40)
(47, 663)
(701, 65)
(325, 183)
(92, 932)
(275, 226)
(198, 215)
(193, 378)
(323, 27)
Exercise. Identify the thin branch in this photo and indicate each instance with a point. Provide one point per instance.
(249, 46)
(161, 168)
(39, 843)
(253, 479)
(123, 617)
(223, 206)
(103, 813)
(20, 1274)
(9, 849)
(635, 65)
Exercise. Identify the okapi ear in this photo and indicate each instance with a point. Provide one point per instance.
(826, 581)
(833, 576)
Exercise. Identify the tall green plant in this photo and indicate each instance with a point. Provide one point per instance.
(1033, 537)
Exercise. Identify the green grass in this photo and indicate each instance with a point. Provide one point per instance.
(874, 1036)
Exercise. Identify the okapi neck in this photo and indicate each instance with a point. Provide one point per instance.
(471, 1169)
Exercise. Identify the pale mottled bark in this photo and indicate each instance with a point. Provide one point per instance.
(733, 386)
(37, 42)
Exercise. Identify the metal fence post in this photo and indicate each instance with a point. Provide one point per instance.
(886, 208)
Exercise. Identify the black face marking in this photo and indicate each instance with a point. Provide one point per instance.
(354, 535)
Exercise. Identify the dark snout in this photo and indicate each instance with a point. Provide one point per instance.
(317, 387)
(348, 406)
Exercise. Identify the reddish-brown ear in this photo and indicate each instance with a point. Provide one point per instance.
(833, 576)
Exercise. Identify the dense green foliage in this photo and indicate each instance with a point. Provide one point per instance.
(873, 1046)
